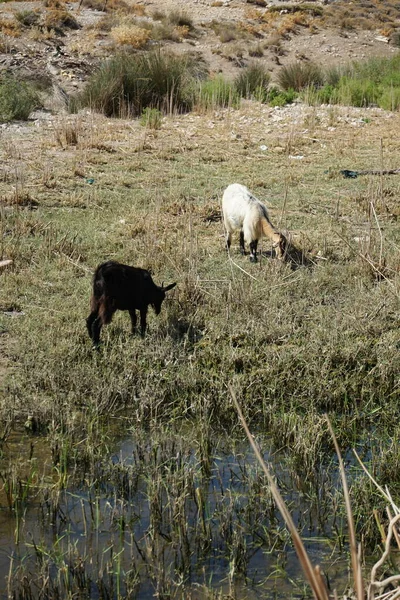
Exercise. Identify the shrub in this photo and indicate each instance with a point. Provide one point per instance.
(214, 93)
(125, 84)
(151, 118)
(17, 99)
(252, 82)
(325, 95)
(298, 76)
(130, 35)
(277, 97)
(60, 18)
(180, 18)
(10, 27)
(27, 18)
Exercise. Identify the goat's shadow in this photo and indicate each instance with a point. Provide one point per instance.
(180, 329)
(293, 256)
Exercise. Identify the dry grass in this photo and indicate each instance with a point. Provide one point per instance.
(10, 27)
(130, 35)
(58, 19)
(380, 14)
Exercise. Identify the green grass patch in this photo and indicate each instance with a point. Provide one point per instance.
(210, 94)
(368, 83)
(17, 99)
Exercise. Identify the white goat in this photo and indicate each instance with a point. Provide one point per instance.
(244, 211)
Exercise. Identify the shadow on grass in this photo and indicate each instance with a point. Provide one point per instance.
(180, 328)
(293, 256)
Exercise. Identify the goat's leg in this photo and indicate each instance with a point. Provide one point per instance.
(228, 240)
(143, 324)
(89, 322)
(132, 314)
(253, 250)
(242, 248)
(96, 329)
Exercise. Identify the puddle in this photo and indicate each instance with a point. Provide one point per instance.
(164, 518)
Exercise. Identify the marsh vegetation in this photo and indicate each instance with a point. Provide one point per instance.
(125, 472)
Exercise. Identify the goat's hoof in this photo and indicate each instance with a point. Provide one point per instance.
(96, 346)
(253, 259)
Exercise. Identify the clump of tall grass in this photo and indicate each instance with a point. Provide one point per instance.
(59, 19)
(126, 84)
(303, 7)
(173, 26)
(298, 76)
(252, 82)
(213, 93)
(17, 99)
(374, 82)
(27, 18)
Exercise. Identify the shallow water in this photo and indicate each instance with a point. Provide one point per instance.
(157, 518)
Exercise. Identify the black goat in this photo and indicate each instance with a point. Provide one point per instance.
(120, 287)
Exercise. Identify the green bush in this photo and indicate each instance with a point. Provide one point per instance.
(372, 82)
(126, 84)
(252, 82)
(214, 93)
(17, 99)
(151, 118)
(276, 97)
(297, 76)
(390, 99)
(358, 92)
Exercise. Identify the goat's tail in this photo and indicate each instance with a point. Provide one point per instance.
(278, 239)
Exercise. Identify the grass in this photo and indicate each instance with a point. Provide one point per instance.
(127, 84)
(293, 342)
(298, 76)
(130, 35)
(371, 82)
(17, 99)
(252, 82)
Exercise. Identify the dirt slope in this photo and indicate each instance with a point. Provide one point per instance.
(227, 34)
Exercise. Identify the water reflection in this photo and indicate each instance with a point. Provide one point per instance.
(161, 517)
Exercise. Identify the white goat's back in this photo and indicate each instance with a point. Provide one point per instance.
(242, 210)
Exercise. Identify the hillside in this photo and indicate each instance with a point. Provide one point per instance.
(62, 43)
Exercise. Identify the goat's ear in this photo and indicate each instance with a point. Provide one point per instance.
(169, 287)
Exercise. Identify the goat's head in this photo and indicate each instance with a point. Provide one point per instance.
(281, 245)
(159, 297)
